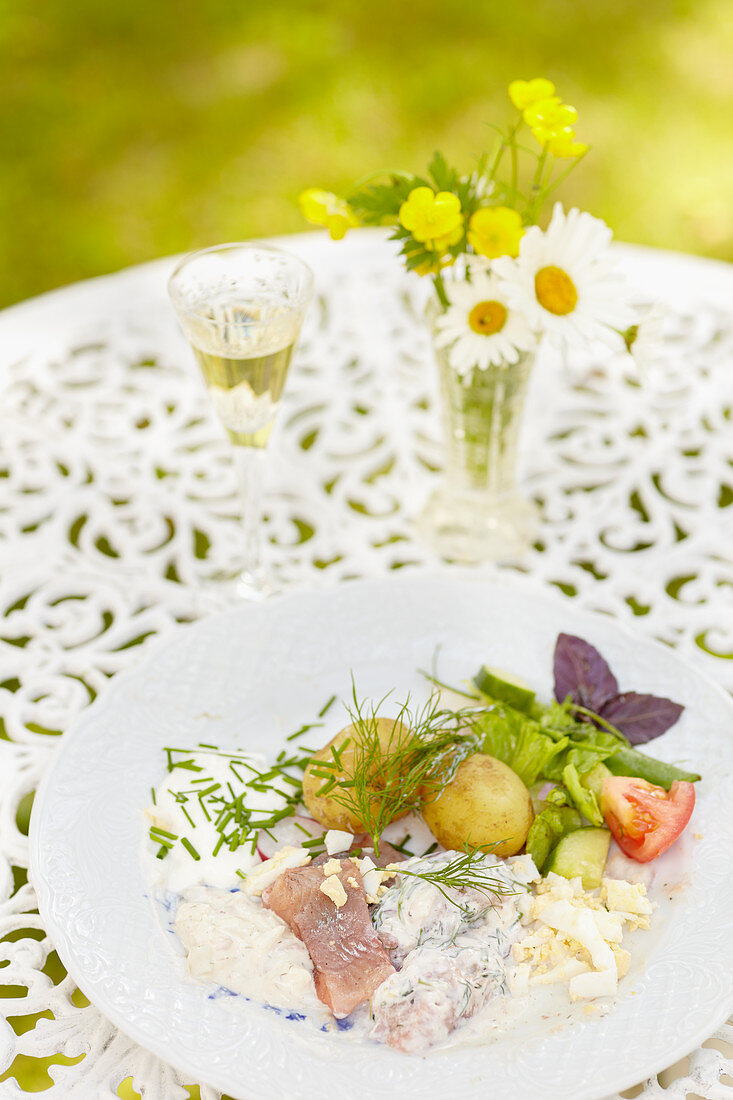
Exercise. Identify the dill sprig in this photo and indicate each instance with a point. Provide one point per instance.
(467, 870)
(400, 773)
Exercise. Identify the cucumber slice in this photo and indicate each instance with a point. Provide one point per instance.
(505, 688)
(582, 853)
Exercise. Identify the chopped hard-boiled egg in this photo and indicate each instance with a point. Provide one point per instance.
(338, 840)
(333, 888)
(575, 936)
(265, 873)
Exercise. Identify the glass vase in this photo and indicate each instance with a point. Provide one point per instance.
(477, 513)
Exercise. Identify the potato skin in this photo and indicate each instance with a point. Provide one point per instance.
(325, 808)
(485, 804)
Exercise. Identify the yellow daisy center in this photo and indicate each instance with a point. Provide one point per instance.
(487, 318)
(555, 291)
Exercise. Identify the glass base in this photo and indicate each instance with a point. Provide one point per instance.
(254, 585)
(470, 527)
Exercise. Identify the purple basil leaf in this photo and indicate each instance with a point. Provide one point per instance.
(581, 673)
(641, 718)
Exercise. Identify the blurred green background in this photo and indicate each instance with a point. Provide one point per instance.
(141, 128)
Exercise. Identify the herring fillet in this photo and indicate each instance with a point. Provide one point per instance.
(349, 961)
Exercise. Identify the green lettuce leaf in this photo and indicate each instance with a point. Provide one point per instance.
(548, 828)
(518, 741)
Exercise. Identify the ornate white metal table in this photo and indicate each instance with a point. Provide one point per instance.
(117, 496)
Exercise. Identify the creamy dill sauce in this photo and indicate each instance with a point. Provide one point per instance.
(230, 939)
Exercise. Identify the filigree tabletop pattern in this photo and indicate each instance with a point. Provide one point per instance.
(117, 499)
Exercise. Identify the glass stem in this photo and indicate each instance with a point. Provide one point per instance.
(250, 469)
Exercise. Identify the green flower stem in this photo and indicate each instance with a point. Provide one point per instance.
(536, 189)
(515, 163)
(554, 184)
(482, 418)
(440, 291)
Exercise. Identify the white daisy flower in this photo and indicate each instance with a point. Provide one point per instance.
(563, 281)
(645, 339)
(480, 327)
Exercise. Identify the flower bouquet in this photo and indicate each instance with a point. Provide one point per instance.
(504, 288)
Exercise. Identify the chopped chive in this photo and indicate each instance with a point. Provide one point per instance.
(336, 752)
(327, 787)
(209, 790)
(312, 843)
(193, 823)
(203, 779)
(203, 745)
(327, 707)
(189, 847)
(162, 852)
(272, 774)
(241, 873)
(431, 849)
(152, 795)
(302, 828)
(234, 770)
(162, 832)
(206, 813)
(218, 844)
(402, 847)
(303, 729)
(280, 756)
(188, 765)
(324, 769)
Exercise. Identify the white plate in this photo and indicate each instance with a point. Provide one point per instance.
(250, 677)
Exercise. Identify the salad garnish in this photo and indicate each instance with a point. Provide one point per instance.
(582, 675)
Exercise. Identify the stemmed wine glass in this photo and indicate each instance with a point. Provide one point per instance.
(241, 307)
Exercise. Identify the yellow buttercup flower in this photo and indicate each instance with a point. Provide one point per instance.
(442, 244)
(325, 208)
(552, 122)
(550, 114)
(430, 217)
(495, 231)
(565, 145)
(523, 93)
(546, 134)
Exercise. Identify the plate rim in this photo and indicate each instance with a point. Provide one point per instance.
(481, 577)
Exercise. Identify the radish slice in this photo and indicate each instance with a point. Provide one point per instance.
(288, 831)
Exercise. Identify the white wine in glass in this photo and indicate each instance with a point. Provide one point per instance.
(241, 307)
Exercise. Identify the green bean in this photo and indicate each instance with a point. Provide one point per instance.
(631, 762)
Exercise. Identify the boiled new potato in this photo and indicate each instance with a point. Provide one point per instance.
(486, 805)
(330, 810)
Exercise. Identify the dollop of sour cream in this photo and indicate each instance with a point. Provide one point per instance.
(180, 811)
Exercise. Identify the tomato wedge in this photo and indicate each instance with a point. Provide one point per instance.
(645, 820)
